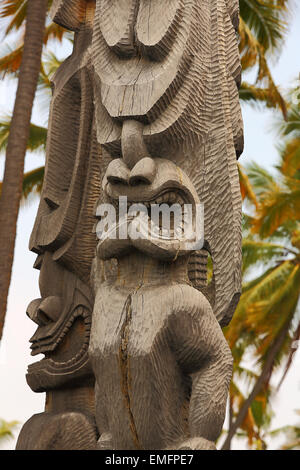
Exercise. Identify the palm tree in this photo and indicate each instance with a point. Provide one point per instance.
(262, 31)
(6, 429)
(14, 14)
(16, 148)
(267, 318)
(32, 181)
(255, 426)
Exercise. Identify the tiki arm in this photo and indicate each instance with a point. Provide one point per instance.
(203, 353)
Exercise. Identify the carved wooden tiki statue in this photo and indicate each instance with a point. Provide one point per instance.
(145, 111)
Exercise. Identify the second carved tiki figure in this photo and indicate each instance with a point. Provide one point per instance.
(166, 123)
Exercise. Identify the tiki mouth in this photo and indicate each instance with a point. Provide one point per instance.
(169, 201)
(66, 344)
(168, 196)
(66, 358)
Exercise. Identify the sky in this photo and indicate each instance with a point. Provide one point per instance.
(17, 401)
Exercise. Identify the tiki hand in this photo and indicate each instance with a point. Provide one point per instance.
(197, 443)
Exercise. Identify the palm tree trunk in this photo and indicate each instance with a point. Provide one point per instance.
(261, 381)
(230, 419)
(17, 141)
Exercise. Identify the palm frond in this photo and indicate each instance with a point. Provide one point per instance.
(292, 434)
(6, 428)
(272, 306)
(261, 179)
(253, 53)
(33, 182)
(261, 410)
(237, 335)
(37, 136)
(246, 374)
(278, 206)
(292, 123)
(256, 312)
(256, 95)
(257, 252)
(54, 31)
(15, 9)
(293, 349)
(266, 20)
(10, 59)
(246, 187)
(290, 159)
(49, 66)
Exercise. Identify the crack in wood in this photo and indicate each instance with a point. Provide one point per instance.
(125, 368)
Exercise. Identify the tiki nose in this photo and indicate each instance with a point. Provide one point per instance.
(143, 172)
(44, 311)
(117, 172)
(132, 141)
(32, 309)
(50, 309)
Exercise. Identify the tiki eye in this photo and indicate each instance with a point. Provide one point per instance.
(51, 203)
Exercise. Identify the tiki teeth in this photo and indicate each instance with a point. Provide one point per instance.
(172, 198)
(72, 361)
(39, 346)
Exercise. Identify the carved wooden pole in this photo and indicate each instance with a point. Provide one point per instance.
(64, 242)
(147, 105)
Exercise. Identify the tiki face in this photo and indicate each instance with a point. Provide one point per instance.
(63, 316)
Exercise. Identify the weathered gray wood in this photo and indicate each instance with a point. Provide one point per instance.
(183, 88)
(166, 79)
(63, 240)
(147, 104)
